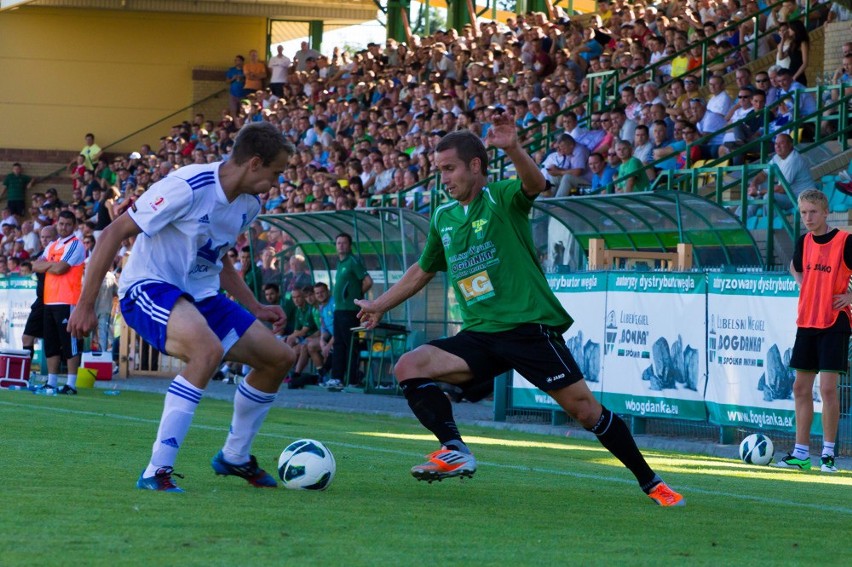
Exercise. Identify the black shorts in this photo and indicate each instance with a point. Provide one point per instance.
(35, 321)
(815, 352)
(17, 208)
(57, 339)
(536, 351)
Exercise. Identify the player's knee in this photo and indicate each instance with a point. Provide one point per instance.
(828, 394)
(208, 356)
(408, 366)
(802, 389)
(285, 358)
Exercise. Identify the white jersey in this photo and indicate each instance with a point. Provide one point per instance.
(187, 226)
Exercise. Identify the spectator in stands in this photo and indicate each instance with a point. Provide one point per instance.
(690, 150)
(279, 69)
(236, 81)
(631, 172)
(708, 123)
(602, 175)
(787, 87)
(297, 276)
(304, 55)
(838, 13)
(719, 101)
(15, 186)
(642, 146)
(740, 111)
(798, 51)
(567, 167)
(91, 151)
(793, 168)
(31, 239)
(255, 73)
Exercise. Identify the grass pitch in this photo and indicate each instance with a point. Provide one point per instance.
(70, 465)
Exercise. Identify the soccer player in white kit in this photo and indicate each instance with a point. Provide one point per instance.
(170, 294)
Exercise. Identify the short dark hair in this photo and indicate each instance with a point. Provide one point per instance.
(260, 139)
(468, 147)
(68, 215)
(345, 235)
(273, 286)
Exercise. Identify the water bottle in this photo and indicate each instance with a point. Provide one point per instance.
(16, 387)
(32, 383)
(45, 392)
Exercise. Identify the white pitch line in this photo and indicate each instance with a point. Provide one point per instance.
(556, 472)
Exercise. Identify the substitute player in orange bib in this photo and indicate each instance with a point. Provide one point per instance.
(822, 265)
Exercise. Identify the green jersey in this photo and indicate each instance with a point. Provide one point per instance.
(487, 250)
(305, 318)
(347, 284)
(636, 169)
(16, 186)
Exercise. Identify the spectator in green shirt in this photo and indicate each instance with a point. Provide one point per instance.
(15, 186)
(631, 172)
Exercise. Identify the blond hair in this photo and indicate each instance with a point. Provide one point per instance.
(814, 197)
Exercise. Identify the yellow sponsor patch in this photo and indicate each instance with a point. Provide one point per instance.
(476, 287)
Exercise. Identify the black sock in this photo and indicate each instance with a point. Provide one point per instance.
(431, 406)
(613, 434)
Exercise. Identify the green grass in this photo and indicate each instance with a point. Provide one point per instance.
(69, 466)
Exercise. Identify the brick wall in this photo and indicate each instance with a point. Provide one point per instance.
(836, 34)
(207, 82)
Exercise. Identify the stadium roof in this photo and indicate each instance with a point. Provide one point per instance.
(332, 11)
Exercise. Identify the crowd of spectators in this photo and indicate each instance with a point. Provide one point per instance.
(365, 124)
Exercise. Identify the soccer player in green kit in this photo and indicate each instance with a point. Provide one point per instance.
(511, 318)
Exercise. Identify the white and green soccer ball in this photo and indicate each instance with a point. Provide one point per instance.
(306, 465)
(757, 449)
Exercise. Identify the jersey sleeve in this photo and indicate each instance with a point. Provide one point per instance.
(166, 201)
(359, 270)
(75, 253)
(433, 258)
(510, 194)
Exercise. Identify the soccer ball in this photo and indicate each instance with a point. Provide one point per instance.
(757, 449)
(306, 465)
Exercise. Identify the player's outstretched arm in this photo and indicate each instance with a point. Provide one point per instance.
(503, 134)
(414, 279)
(83, 318)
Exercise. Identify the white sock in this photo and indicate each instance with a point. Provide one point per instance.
(250, 409)
(827, 449)
(178, 409)
(71, 380)
(801, 451)
(52, 380)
